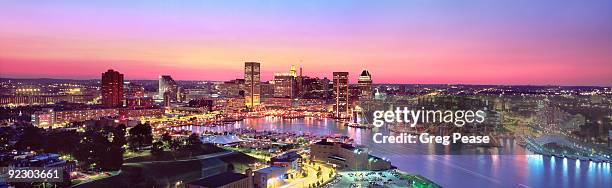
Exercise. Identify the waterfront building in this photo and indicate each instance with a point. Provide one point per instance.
(229, 104)
(341, 95)
(346, 156)
(284, 86)
(112, 88)
(252, 84)
(365, 85)
(201, 103)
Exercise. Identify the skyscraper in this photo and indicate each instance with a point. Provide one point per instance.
(341, 95)
(112, 88)
(166, 83)
(284, 86)
(292, 71)
(252, 88)
(365, 85)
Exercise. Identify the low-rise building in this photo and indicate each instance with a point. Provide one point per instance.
(346, 156)
(223, 180)
(49, 117)
(288, 159)
(270, 177)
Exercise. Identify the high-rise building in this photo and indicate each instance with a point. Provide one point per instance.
(292, 71)
(284, 86)
(365, 85)
(327, 90)
(135, 90)
(167, 84)
(232, 88)
(267, 89)
(252, 88)
(112, 88)
(300, 84)
(341, 95)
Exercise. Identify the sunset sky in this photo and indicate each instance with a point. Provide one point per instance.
(559, 42)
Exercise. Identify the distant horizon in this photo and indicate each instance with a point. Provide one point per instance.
(350, 82)
(482, 42)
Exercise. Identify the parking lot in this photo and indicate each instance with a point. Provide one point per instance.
(354, 179)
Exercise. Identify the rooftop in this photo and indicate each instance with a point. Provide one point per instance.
(270, 169)
(219, 179)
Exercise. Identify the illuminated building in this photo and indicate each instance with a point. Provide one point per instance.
(232, 88)
(139, 102)
(202, 103)
(135, 90)
(167, 86)
(341, 95)
(252, 88)
(284, 85)
(49, 117)
(272, 176)
(167, 96)
(292, 71)
(365, 85)
(267, 89)
(288, 159)
(22, 100)
(126, 113)
(112, 88)
(300, 85)
(43, 118)
(67, 116)
(27, 90)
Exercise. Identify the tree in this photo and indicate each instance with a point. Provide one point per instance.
(194, 143)
(157, 148)
(140, 136)
(64, 142)
(30, 139)
(6, 135)
(119, 136)
(175, 144)
(95, 148)
(166, 138)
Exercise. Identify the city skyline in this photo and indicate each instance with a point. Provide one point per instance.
(417, 42)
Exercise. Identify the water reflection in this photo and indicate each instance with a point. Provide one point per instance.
(452, 170)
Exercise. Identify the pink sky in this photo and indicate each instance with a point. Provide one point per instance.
(479, 42)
